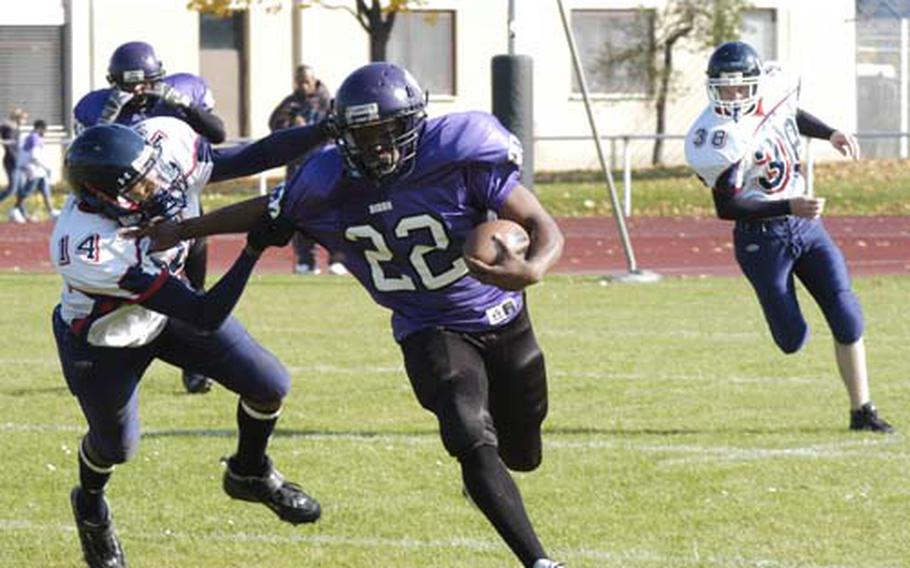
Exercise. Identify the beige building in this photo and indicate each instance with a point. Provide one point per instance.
(55, 51)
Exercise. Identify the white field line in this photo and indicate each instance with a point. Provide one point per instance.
(691, 453)
(632, 557)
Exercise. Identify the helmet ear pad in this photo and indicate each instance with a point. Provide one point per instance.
(378, 114)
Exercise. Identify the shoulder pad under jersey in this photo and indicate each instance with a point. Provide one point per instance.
(470, 137)
(193, 86)
(88, 110)
(714, 143)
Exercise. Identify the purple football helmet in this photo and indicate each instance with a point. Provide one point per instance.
(134, 63)
(379, 111)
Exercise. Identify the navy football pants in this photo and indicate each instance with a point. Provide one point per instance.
(484, 388)
(105, 380)
(771, 252)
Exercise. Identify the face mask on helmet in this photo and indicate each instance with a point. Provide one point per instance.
(135, 68)
(113, 170)
(379, 112)
(379, 149)
(159, 194)
(733, 94)
(734, 79)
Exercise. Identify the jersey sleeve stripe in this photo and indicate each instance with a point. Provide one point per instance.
(142, 283)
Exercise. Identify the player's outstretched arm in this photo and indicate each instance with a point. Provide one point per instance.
(813, 127)
(514, 272)
(276, 149)
(209, 310)
(239, 217)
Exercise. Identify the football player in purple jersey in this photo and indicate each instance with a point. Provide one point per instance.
(396, 197)
(139, 89)
(746, 146)
(122, 306)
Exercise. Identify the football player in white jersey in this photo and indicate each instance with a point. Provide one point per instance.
(123, 306)
(746, 146)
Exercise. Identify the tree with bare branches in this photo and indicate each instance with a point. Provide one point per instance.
(376, 17)
(710, 22)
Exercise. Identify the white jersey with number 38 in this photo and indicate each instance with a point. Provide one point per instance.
(764, 145)
(107, 275)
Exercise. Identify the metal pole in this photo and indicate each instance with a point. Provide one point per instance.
(810, 169)
(905, 116)
(627, 177)
(614, 200)
(511, 27)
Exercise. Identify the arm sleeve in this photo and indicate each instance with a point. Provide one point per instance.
(276, 149)
(809, 125)
(209, 310)
(730, 205)
(205, 123)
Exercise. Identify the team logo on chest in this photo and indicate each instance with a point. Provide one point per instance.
(380, 207)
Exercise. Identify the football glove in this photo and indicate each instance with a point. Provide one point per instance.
(114, 104)
(269, 232)
(329, 128)
(170, 95)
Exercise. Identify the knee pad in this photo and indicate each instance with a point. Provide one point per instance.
(790, 334)
(524, 454)
(845, 317)
(112, 450)
(462, 429)
(273, 382)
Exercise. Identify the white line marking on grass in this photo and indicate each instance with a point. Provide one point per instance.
(624, 558)
(556, 440)
(609, 375)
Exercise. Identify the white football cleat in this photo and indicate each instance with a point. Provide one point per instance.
(17, 216)
(338, 269)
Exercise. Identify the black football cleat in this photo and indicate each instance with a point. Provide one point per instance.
(194, 383)
(100, 546)
(866, 418)
(285, 499)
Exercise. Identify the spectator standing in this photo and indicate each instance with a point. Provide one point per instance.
(308, 104)
(9, 136)
(34, 173)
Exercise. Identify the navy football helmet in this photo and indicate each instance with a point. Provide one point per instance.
(134, 63)
(378, 113)
(734, 79)
(112, 169)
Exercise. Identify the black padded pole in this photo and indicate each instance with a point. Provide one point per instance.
(513, 104)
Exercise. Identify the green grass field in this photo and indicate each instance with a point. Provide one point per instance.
(678, 437)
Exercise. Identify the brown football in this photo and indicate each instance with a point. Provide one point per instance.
(480, 243)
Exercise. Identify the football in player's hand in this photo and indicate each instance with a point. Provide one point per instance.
(481, 246)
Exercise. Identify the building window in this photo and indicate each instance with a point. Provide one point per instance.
(222, 64)
(759, 29)
(34, 56)
(616, 49)
(423, 42)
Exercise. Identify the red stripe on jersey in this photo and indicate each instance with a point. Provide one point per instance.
(154, 287)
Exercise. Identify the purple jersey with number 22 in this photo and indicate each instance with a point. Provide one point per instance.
(402, 238)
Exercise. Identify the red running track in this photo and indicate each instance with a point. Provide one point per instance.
(671, 246)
